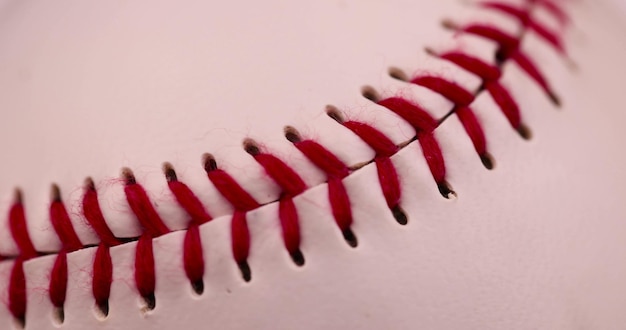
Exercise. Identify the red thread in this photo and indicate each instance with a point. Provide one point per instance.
(424, 125)
(450, 90)
(462, 100)
(19, 231)
(389, 181)
(490, 76)
(324, 159)
(288, 216)
(193, 258)
(526, 20)
(243, 202)
(189, 202)
(240, 236)
(335, 170)
(384, 148)
(555, 10)
(63, 227)
(292, 185)
(509, 49)
(58, 279)
(232, 191)
(282, 174)
(17, 290)
(93, 214)
(340, 203)
(381, 144)
(142, 207)
(102, 275)
(145, 278)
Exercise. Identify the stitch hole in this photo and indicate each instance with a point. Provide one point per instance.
(58, 315)
(487, 161)
(399, 215)
(209, 162)
(101, 310)
(149, 301)
(525, 132)
(500, 56)
(445, 190)
(251, 147)
(198, 287)
(297, 257)
(170, 173)
(246, 273)
(370, 94)
(292, 134)
(128, 176)
(397, 73)
(19, 323)
(55, 193)
(335, 114)
(431, 52)
(350, 238)
(448, 24)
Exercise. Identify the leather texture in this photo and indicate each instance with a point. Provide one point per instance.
(537, 243)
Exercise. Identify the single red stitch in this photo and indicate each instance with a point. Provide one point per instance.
(323, 159)
(232, 191)
(102, 276)
(450, 90)
(526, 20)
(282, 174)
(462, 100)
(189, 202)
(240, 236)
(63, 226)
(484, 70)
(58, 279)
(93, 214)
(144, 210)
(17, 290)
(381, 144)
(555, 10)
(19, 231)
(424, 125)
(145, 278)
(490, 76)
(533, 71)
(389, 181)
(193, 258)
(288, 216)
(340, 203)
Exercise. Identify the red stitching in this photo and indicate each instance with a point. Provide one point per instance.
(335, 171)
(102, 277)
(292, 185)
(387, 175)
(509, 49)
(243, 202)
(462, 100)
(424, 125)
(288, 180)
(526, 19)
(490, 76)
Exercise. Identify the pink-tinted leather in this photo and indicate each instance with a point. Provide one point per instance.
(539, 242)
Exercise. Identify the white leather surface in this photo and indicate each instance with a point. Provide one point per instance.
(537, 243)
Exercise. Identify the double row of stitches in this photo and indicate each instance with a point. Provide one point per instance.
(288, 179)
